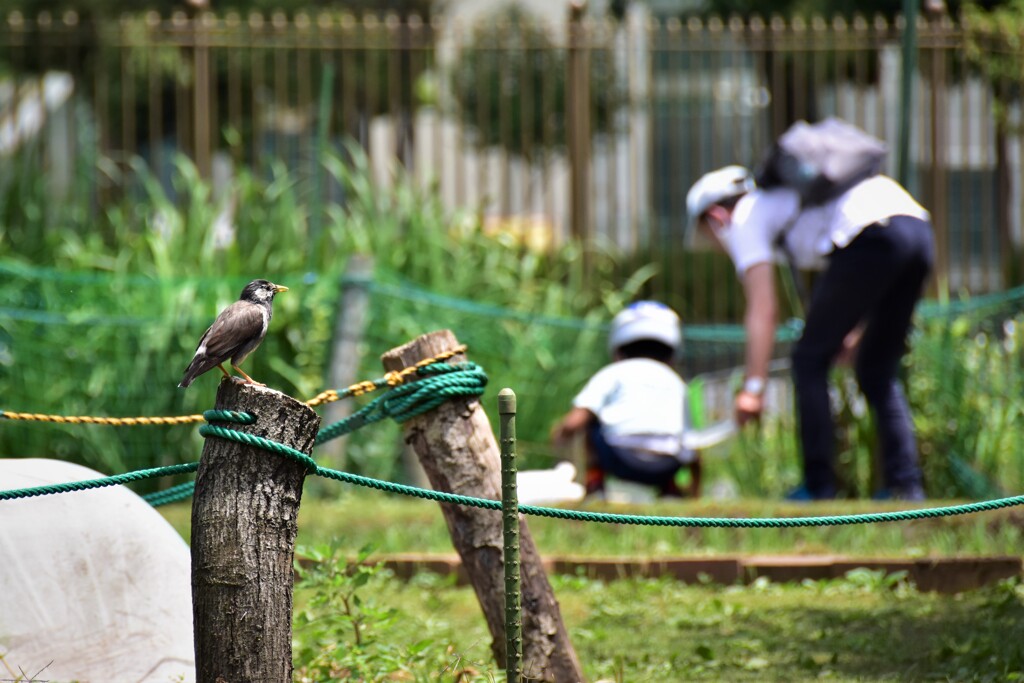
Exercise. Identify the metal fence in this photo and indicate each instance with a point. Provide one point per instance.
(553, 128)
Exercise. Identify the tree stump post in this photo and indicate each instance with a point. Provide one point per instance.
(244, 522)
(458, 451)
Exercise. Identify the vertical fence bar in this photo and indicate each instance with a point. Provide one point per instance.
(578, 124)
(525, 203)
(511, 29)
(510, 529)
(155, 83)
(549, 104)
(201, 99)
(255, 55)
(348, 93)
(236, 37)
(319, 156)
(907, 88)
(126, 46)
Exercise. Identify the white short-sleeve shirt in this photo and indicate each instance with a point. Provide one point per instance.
(812, 233)
(636, 397)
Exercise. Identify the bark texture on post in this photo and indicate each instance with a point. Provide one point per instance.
(458, 451)
(244, 521)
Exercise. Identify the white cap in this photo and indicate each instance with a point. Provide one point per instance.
(646, 320)
(714, 187)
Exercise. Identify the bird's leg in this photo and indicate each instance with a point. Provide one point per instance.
(220, 366)
(247, 377)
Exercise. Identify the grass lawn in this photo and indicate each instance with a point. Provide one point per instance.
(862, 628)
(865, 627)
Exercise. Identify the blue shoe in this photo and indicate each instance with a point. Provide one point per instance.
(802, 494)
(912, 493)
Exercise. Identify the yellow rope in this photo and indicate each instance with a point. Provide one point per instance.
(392, 379)
(111, 421)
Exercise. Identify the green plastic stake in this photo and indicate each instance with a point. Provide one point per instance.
(510, 527)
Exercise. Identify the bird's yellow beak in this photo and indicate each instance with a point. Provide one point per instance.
(280, 288)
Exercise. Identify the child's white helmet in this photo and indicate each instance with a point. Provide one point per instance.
(646, 320)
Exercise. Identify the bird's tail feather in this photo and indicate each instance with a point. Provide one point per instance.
(194, 369)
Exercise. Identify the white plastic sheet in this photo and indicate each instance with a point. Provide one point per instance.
(94, 585)
(549, 487)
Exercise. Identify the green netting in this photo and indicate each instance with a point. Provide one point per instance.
(92, 344)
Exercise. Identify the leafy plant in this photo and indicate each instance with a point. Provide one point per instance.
(103, 310)
(344, 631)
(965, 386)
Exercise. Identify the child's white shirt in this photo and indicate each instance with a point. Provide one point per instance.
(640, 402)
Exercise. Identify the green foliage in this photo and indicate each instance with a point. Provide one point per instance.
(994, 43)
(864, 626)
(344, 631)
(966, 384)
(516, 95)
(107, 326)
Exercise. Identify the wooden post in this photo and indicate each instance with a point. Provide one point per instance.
(349, 329)
(458, 451)
(244, 521)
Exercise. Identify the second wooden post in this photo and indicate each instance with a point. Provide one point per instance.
(458, 451)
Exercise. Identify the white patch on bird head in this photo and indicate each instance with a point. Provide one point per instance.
(264, 293)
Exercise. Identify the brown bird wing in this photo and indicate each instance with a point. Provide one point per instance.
(235, 333)
(237, 326)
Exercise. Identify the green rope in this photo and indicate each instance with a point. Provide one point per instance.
(171, 495)
(483, 503)
(604, 517)
(86, 484)
(440, 382)
(228, 416)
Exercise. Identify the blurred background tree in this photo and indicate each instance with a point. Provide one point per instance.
(517, 96)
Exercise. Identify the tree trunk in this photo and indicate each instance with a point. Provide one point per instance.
(244, 521)
(458, 451)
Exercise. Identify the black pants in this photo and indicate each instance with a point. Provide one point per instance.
(876, 279)
(629, 464)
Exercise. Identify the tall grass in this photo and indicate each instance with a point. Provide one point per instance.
(100, 310)
(105, 307)
(966, 382)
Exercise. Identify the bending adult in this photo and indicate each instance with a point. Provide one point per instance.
(875, 248)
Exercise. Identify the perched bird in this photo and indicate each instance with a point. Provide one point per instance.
(236, 332)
